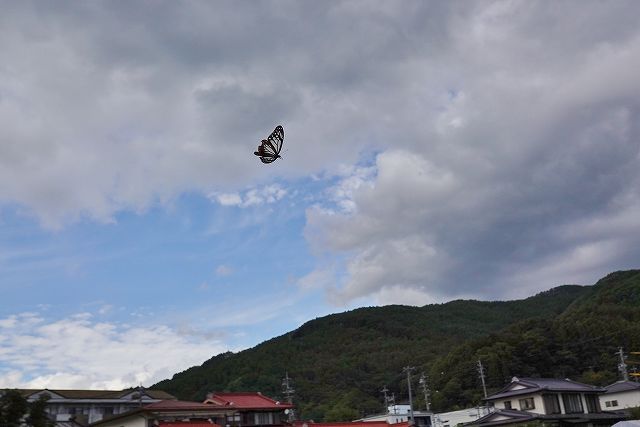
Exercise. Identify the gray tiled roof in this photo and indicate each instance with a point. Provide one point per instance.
(99, 394)
(534, 385)
(622, 386)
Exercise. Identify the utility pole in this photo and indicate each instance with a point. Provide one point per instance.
(386, 398)
(634, 373)
(408, 370)
(392, 403)
(287, 392)
(425, 389)
(622, 366)
(481, 374)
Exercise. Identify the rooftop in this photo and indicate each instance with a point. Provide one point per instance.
(99, 394)
(246, 400)
(620, 386)
(520, 386)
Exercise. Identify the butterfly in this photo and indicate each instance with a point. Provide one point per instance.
(269, 149)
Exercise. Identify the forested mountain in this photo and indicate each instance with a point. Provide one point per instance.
(580, 343)
(341, 362)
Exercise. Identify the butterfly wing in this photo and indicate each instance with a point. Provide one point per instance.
(268, 159)
(276, 139)
(269, 149)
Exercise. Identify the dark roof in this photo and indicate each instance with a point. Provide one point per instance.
(515, 417)
(512, 415)
(99, 394)
(183, 405)
(171, 406)
(622, 386)
(350, 424)
(534, 385)
(187, 424)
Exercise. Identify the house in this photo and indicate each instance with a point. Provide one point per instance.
(170, 413)
(350, 424)
(462, 416)
(252, 408)
(621, 395)
(400, 414)
(81, 407)
(547, 400)
(221, 409)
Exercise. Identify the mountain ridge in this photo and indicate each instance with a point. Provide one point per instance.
(341, 361)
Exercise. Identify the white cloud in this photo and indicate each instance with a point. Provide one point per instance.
(229, 199)
(502, 129)
(81, 352)
(524, 176)
(253, 197)
(224, 270)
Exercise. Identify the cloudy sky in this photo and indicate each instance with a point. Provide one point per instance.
(433, 151)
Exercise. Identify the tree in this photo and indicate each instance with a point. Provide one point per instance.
(38, 416)
(13, 408)
(16, 411)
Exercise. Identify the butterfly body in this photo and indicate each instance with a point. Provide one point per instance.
(269, 149)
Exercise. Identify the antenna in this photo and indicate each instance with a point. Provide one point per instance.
(408, 370)
(288, 392)
(481, 374)
(424, 383)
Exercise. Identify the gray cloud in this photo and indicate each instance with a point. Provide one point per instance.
(506, 133)
(499, 188)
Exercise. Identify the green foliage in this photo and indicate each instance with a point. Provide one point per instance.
(579, 344)
(340, 362)
(37, 414)
(360, 351)
(13, 407)
(16, 411)
(634, 413)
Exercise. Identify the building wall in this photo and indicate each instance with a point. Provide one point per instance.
(625, 399)
(538, 402)
(453, 418)
(515, 403)
(135, 421)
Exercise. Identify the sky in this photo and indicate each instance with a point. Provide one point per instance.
(433, 151)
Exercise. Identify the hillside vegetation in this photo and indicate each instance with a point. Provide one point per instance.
(341, 362)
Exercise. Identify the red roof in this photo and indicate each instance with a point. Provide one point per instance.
(188, 424)
(246, 401)
(170, 405)
(350, 424)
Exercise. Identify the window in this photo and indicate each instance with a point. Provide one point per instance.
(551, 404)
(507, 404)
(610, 403)
(593, 405)
(526, 404)
(572, 403)
(263, 418)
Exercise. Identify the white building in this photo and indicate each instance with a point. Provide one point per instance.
(81, 407)
(400, 414)
(547, 400)
(453, 418)
(621, 395)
